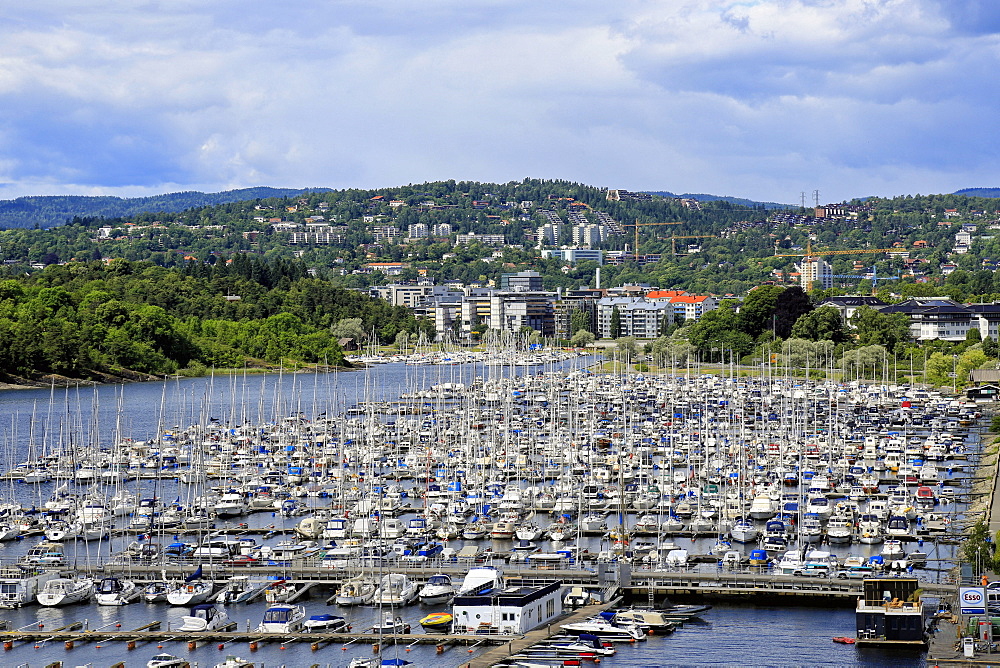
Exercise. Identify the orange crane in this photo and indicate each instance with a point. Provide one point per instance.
(637, 225)
(673, 239)
(810, 255)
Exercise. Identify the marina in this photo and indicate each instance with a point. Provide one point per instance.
(353, 493)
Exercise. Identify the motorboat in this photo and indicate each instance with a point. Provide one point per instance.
(481, 580)
(167, 661)
(231, 504)
(204, 617)
(744, 530)
(116, 591)
(395, 589)
(584, 646)
(279, 591)
(156, 592)
(359, 590)
(64, 591)
(242, 589)
(283, 618)
(326, 624)
(391, 624)
(437, 622)
(654, 621)
(439, 589)
(503, 530)
(602, 628)
(839, 530)
(236, 662)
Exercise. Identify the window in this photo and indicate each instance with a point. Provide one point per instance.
(550, 608)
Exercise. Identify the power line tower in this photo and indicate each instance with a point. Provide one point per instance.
(816, 197)
(802, 199)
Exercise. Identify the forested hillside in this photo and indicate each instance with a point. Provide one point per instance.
(82, 319)
(46, 211)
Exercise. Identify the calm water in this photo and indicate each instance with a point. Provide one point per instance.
(729, 635)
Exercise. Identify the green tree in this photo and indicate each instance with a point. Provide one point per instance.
(718, 329)
(616, 323)
(875, 328)
(582, 338)
(349, 328)
(790, 305)
(757, 310)
(990, 348)
(402, 341)
(822, 324)
(580, 319)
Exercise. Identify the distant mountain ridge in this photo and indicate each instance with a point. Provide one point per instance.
(50, 210)
(979, 192)
(702, 197)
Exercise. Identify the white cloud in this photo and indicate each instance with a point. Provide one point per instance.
(761, 98)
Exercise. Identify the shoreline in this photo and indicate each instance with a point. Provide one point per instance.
(54, 380)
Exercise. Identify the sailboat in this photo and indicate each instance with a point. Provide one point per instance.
(192, 591)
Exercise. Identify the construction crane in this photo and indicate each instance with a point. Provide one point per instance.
(637, 225)
(875, 278)
(673, 239)
(810, 255)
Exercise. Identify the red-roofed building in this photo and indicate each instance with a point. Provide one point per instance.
(664, 294)
(692, 307)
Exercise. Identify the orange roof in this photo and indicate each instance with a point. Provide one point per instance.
(687, 299)
(664, 294)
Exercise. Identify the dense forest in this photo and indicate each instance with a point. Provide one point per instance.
(84, 319)
(50, 210)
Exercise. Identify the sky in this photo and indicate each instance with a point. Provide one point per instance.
(760, 99)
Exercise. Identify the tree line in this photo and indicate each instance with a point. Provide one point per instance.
(83, 319)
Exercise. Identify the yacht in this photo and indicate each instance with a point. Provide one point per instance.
(326, 624)
(391, 624)
(242, 589)
(359, 590)
(439, 589)
(116, 591)
(396, 589)
(156, 592)
(190, 593)
(744, 530)
(602, 628)
(64, 591)
(283, 618)
(204, 617)
(839, 530)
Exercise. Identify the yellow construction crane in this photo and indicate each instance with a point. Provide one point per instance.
(810, 255)
(637, 225)
(673, 239)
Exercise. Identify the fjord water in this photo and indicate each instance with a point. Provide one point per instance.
(728, 634)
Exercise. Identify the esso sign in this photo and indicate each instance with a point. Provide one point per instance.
(972, 597)
(972, 600)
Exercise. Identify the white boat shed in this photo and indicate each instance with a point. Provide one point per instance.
(507, 611)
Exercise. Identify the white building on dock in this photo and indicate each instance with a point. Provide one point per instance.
(508, 611)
